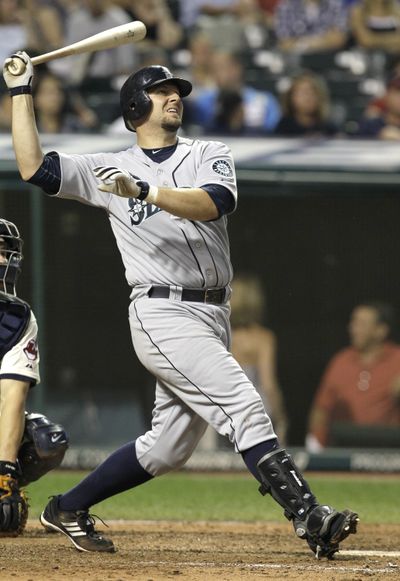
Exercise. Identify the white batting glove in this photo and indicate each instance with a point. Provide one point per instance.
(121, 183)
(20, 83)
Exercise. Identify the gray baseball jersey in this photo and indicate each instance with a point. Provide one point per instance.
(184, 344)
(156, 247)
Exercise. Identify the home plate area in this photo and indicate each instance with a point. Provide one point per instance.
(200, 550)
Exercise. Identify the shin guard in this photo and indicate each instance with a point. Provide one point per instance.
(283, 481)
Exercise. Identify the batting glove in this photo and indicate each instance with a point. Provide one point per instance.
(121, 183)
(21, 83)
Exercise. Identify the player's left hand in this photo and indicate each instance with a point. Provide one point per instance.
(117, 181)
(23, 79)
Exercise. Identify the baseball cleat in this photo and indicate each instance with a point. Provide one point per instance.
(77, 525)
(326, 528)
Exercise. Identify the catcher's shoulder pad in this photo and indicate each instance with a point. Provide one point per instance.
(15, 315)
(42, 449)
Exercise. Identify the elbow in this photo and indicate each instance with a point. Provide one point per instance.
(26, 174)
(28, 170)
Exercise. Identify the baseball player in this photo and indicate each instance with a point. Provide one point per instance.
(167, 200)
(30, 444)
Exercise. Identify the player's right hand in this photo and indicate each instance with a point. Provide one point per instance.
(23, 79)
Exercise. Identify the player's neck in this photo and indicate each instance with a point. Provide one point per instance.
(150, 140)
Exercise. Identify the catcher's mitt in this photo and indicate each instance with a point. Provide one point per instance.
(13, 507)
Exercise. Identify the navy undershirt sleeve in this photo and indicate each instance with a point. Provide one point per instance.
(222, 198)
(48, 176)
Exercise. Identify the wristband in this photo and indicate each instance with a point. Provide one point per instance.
(21, 90)
(8, 469)
(147, 192)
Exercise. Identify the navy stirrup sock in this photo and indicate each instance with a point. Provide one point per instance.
(120, 471)
(253, 455)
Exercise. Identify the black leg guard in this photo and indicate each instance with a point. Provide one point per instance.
(283, 481)
(321, 526)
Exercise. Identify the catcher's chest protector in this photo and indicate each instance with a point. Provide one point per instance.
(15, 315)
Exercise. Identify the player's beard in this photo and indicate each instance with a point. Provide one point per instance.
(171, 126)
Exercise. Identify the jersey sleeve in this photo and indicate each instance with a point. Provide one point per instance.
(217, 167)
(22, 361)
(78, 181)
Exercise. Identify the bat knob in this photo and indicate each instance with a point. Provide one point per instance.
(16, 66)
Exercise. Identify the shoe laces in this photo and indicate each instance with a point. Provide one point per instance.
(87, 521)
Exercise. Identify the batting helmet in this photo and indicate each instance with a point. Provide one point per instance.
(134, 98)
(11, 255)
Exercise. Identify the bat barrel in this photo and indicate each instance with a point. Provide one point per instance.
(113, 37)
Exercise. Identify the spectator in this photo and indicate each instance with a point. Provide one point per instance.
(53, 108)
(268, 8)
(201, 50)
(261, 108)
(28, 23)
(162, 30)
(97, 69)
(377, 105)
(375, 25)
(229, 114)
(220, 20)
(254, 346)
(311, 26)
(361, 385)
(13, 33)
(385, 123)
(5, 113)
(44, 26)
(190, 12)
(306, 108)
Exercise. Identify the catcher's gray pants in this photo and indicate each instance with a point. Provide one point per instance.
(185, 345)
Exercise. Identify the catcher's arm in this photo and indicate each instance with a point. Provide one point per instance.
(13, 395)
(13, 503)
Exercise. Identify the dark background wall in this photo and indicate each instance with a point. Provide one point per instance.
(317, 254)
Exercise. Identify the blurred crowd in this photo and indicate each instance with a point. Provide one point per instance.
(259, 67)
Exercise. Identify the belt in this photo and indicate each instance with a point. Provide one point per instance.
(215, 296)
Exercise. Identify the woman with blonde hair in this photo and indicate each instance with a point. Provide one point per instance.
(306, 108)
(254, 346)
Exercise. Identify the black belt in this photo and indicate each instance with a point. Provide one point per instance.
(215, 296)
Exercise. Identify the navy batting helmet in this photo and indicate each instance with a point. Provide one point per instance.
(134, 98)
(11, 255)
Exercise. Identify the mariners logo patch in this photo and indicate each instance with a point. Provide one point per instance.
(139, 210)
(222, 167)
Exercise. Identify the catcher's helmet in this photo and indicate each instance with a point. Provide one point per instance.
(134, 99)
(11, 253)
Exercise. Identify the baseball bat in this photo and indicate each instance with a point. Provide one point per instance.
(129, 32)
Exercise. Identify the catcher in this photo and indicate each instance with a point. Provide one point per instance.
(30, 444)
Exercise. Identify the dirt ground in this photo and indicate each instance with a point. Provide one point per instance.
(207, 551)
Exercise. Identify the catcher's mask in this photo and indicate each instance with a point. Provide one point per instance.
(10, 256)
(134, 98)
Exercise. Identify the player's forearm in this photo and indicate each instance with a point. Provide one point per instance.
(28, 151)
(12, 417)
(190, 203)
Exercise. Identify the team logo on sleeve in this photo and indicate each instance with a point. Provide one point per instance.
(222, 167)
(31, 350)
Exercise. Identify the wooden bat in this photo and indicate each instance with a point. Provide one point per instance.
(129, 32)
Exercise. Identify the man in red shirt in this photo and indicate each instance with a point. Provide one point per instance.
(361, 385)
